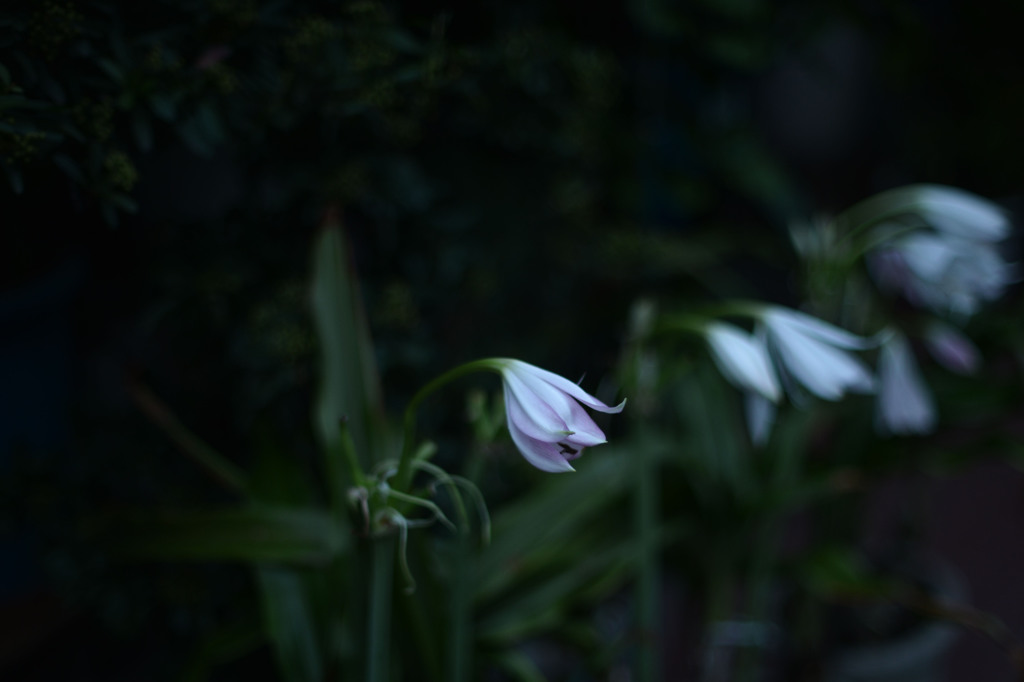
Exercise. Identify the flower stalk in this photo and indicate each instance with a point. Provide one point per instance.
(381, 585)
(405, 468)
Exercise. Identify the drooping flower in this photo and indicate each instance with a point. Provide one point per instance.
(951, 263)
(905, 404)
(546, 422)
(952, 348)
(948, 274)
(807, 353)
(814, 353)
(743, 359)
(960, 213)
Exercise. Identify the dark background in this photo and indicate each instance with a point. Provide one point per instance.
(511, 177)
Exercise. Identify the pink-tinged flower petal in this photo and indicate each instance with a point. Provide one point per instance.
(565, 386)
(544, 455)
(888, 267)
(546, 423)
(536, 416)
(539, 420)
(952, 349)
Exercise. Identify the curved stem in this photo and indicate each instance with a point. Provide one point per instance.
(405, 470)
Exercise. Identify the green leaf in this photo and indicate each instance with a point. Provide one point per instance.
(219, 466)
(349, 385)
(835, 570)
(545, 604)
(223, 646)
(69, 167)
(526, 533)
(709, 408)
(520, 668)
(254, 534)
(111, 69)
(290, 624)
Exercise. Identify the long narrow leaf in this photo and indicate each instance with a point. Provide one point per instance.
(349, 385)
(247, 534)
(290, 624)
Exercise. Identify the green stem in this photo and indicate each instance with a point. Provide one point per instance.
(721, 586)
(381, 588)
(875, 209)
(405, 470)
(189, 443)
(343, 470)
(645, 499)
(876, 240)
(759, 587)
(461, 654)
(425, 632)
(463, 586)
(348, 452)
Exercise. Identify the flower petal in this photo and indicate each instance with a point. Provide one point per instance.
(552, 414)
(826, 371)
(534, 415)
(904, 404)
(524, 370)
(544, 419)
(928, 256)
(742, 359)
(951, 348)
(961, 213)
(807, 325)
(760, 417)
(545, 456)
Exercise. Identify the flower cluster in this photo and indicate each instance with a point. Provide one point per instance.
(943, 255)
(943, 258)
(790, 349)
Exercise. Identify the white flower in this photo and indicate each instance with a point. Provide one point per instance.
(952, 265)
(945, 273)
(904, 404)
(546, 423)
(959, 213)
(814, 353)
(806, 351)
(743, 359)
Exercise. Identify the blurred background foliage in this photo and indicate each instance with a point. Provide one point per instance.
(511, 176)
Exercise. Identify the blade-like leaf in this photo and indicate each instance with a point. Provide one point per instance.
(247, 534)
(349, 386)
(223, 646)
(290, 624)
(550, 517)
